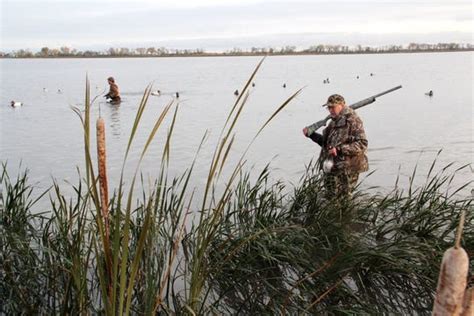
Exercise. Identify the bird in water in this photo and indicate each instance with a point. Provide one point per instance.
(430, 93)
(284, 85)
(15, 104)
(253, 84)
(45, 90)
(59, 91)
(177, 94)
(371, 74)
(357, 77)
(236, 92)
(157, 93)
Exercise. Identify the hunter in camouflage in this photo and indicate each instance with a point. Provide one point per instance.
(343, 148)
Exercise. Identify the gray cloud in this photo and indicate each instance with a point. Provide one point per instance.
(105, 23)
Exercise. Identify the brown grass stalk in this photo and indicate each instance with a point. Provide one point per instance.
(104, 190)
(102, 163)
(452, 279)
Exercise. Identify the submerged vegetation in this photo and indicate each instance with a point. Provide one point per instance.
(245, 246)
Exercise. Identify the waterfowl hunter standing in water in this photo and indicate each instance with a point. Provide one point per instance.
(343, 148)
(114, 94)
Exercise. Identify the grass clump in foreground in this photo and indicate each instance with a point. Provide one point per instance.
(248, 249)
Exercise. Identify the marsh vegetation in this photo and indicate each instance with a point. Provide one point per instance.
(246, 245)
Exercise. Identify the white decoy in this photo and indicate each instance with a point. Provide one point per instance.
(157, 93)
(16, 104)
(45, 90)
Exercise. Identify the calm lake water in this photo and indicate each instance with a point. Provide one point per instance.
(405, 128)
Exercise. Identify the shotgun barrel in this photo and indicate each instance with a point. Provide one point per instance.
(315, 126)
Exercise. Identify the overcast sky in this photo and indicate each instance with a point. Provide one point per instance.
(223, 24)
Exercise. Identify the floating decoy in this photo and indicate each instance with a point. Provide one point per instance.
(177, 94)
(357, 77)
(45, 90)
(253, 84)
(371, 74)
(284, 85)
(430, 93)
(59, 91)
(16, 104)
(236, 92)
(157, 92)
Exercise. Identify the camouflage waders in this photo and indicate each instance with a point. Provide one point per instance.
(340, 184)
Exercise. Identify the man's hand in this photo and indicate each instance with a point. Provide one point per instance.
(332, 151)
(305, 131)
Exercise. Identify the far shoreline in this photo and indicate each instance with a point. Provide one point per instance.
(244, 54)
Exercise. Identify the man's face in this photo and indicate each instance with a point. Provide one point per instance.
(335, 109)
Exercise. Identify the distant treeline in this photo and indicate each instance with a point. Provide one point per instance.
(65, 51)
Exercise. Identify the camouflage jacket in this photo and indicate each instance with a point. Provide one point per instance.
(113, 91)
(346, 134)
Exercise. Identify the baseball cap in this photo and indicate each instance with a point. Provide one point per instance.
(334, 99)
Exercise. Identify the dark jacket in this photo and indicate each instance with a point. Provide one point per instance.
(114, 93)
(345, 133)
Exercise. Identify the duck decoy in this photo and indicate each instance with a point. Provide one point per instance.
(16, 104)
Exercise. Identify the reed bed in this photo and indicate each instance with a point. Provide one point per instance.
(251, 247)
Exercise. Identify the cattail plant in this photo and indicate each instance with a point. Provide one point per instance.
(102, 166)
(452, 278)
